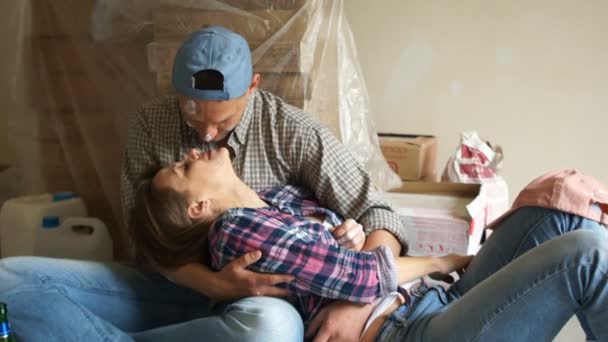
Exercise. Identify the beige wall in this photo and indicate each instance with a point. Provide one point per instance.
(529, 75)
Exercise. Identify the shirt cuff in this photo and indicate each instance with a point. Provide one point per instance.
(387, 270)
(376, 219)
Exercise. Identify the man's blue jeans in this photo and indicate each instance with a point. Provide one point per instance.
(65, 300)
(536, 270)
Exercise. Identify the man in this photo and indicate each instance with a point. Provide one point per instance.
(271, 143)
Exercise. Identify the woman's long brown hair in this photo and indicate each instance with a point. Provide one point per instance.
(164, 235)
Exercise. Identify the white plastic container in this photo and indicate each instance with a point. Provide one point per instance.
(52, 225)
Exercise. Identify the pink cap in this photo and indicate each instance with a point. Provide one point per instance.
(567, 190)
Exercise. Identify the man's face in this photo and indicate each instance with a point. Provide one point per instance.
(213, 120)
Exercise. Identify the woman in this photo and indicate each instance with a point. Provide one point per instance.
(562, 277)
(170, 230)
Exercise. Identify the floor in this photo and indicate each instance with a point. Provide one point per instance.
(572, 332)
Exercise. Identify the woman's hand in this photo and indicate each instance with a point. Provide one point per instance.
(453, 262)
(349, 234)
(339, 321)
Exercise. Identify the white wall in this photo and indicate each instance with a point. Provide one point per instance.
(531, 76)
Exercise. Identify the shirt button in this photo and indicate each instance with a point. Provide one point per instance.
(351, 275)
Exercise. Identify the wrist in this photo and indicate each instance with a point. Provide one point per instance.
(197, 277)
(439, 264)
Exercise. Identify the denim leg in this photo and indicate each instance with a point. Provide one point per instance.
(250, 319)
(530, 299)
(523, 230)
(69, 300)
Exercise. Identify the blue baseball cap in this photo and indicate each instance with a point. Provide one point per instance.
(218, 49)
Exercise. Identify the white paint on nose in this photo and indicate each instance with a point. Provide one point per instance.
(190, 107)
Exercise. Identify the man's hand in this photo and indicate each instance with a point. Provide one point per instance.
(236, 281)
(349, 234)
(339, 321)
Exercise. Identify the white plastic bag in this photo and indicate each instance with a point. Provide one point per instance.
(477, 161)
(473, 161)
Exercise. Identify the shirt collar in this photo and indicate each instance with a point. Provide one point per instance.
(240, 131)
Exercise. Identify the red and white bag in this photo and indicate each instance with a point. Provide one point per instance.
(476, 161)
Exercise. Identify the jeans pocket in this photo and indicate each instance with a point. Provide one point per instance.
(432, 301)
(442, 295)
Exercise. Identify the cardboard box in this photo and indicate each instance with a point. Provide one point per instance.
(50, 18)
(441, 218)
(67, 74)
(280, 25)
(265, 4)
(412, 157)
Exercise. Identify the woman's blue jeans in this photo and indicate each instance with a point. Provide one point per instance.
(538, 269)
(65, 300)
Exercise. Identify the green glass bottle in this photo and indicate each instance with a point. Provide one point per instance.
(5, 328)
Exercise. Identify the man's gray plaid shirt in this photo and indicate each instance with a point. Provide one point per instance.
(273, 144)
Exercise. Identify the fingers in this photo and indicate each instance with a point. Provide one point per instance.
(274, 279)
(246, 259)
(356, 243)
(315, 324)
(350, 234)
(323, 336)
(353, 238)
(342, 229)
(272, 291)
(263, 284)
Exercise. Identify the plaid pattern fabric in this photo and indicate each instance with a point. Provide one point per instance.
(292, 244)
(274, 144)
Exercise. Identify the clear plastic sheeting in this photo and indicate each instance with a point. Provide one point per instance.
(75, 69)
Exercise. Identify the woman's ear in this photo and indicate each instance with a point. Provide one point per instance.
(199, 209)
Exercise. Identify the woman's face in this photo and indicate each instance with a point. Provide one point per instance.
(198, 174)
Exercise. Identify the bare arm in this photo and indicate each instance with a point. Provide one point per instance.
(382, 237)
(411, 268)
